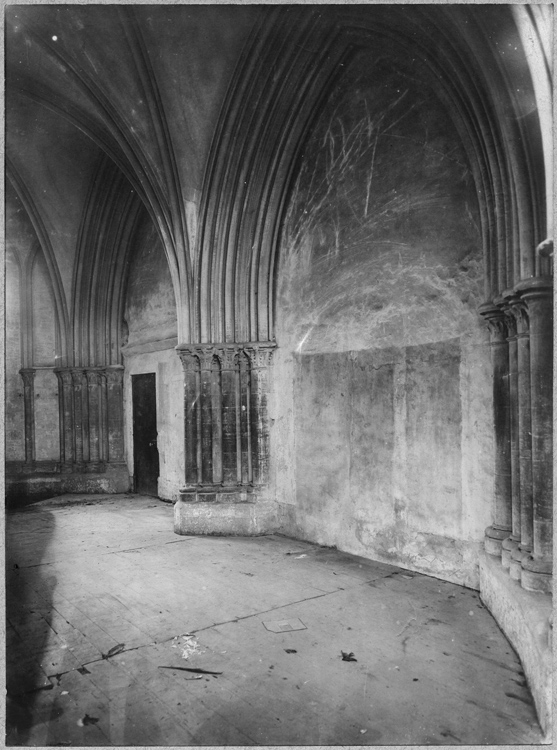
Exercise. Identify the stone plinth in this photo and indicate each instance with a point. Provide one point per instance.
(238, 511)
(524, 617)
(40, 485)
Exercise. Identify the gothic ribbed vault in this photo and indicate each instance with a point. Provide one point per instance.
(296, 221)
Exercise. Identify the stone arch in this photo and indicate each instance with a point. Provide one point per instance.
(285, 72)
(163, 199)
(109, 221)
(36, 271)
(44, 246)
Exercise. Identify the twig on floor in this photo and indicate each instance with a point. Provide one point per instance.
(191, 669)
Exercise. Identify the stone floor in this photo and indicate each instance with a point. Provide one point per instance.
(101, 594)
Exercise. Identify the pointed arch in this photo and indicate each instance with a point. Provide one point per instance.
(285, 73)
(29, 299)
(119, 140)
(45, 246)
(111, 215)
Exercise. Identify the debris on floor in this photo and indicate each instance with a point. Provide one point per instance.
(114, 650)
(189, 647)
(187, 679)
(192, 669)
(138, 705)
(283, 626)
(87, 720)
(348, 656)
(299, 557)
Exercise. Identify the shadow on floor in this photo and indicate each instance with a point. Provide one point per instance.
(29, 590)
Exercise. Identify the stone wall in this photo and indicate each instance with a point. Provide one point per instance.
(150, 307)
(150, 320)
(381, 379)
(14, 419)
(384, 462)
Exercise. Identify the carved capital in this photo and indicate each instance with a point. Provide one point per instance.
(510, 322)
(498, 326)
(114, 375)
(229, 358)
(520, 313)
(496, 321)
(260, 353)
(64, 377)
(206, 358)
(77, 377)
(93, 378)
(28, 377)
(505, 303)
(197, 356)
(190, 362)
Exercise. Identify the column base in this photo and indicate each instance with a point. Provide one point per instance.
(518, 556)
(525, 618)
(537, 575)
(508, 546)
(493, 541)
(94, 467)
(224, 511)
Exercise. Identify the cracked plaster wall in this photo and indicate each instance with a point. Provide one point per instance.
(381, 409)
(150, 314)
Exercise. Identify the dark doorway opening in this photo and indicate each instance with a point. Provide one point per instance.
(145, 451)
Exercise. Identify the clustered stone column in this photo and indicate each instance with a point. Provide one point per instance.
(521, 326)
(28, 377)
(91, 418)
(526, 496)
(538, 295)
(226, 424)
(501, 509)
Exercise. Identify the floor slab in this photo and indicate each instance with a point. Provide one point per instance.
(103, 597)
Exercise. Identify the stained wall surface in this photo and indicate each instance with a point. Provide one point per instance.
(30, 339)
(382, 373)
(150, 308)
(150, 315)
(20, 241)
(14, 417)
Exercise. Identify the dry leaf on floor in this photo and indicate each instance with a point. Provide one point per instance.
(114, 650)
(348, 656)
